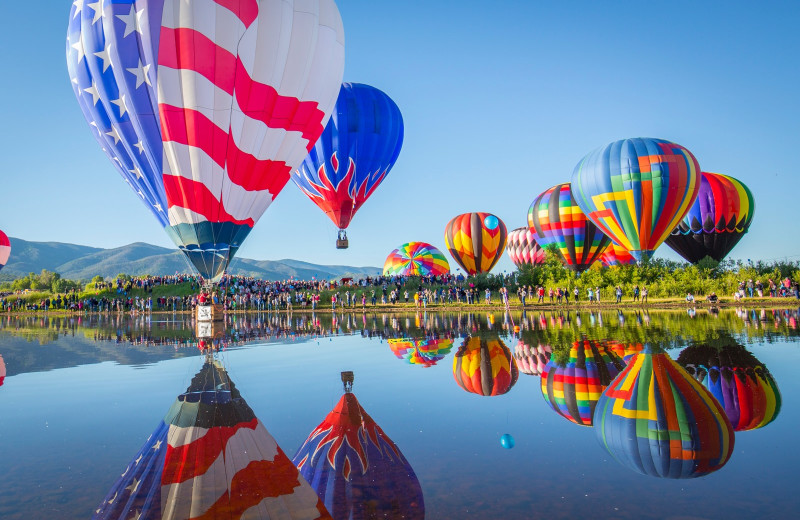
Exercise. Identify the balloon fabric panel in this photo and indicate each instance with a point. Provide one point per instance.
(656, 419)
(556, 219)
(616, 255)
(717, 220)
(5, 249)
(522, 247)
(355, 153)
(475, 241)
(356, 469)
(204, 109)
(416, 259)
(637, 190)
(485, 367)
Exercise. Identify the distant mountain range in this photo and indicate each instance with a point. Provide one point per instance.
(83, 263)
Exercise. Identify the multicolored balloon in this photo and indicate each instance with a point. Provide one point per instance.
(416, 259)
(573, 388)
(485, 367)
(616, 255)
(637, 191)
(356, 469)
(475, 241)
(625, 350)
(557, 220)
(205, 108)
(422, 352)
(531, 360)
(741, 383)
(523, 249)
(211, 458)
(717, 220)
(355, 153)
(5, 249)
(657, 420)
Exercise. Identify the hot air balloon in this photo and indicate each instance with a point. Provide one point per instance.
(5, 249)
(573, 388)
(354, 155)
(355, 468)
(485, 367)
(475, 241)
(211, 458)
(637, 191)
(416, 259)
(616, 255)
(716, 221)
(557, 219)
(422, 352)
(657, 420)
(626, 351)
(531, 360)
(206, 107)
(522, 247)
(2, 370)
(741, 383)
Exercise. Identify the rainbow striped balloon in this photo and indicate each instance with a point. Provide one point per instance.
(656, 419)
(522, 247)
(557, 219)
(476, 241)
(637, 190)
(573, 388)
(416, 259)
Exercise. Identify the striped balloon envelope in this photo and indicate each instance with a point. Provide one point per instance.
(637, 191)
(741, 383)
(531, 360)
(475, 241)
(522, 247)
(557, 220)
(205, 107)
(572, 387)
(416, 259)
(625, 350)
(717, 220)
(5, 249)
(421, 352)
(356, 469)
(211, 458)
(657, 420)
(616, 255)
(485, 367)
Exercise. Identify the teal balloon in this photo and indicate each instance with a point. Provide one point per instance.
(507, 441)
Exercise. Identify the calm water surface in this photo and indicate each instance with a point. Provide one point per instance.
(82, 395)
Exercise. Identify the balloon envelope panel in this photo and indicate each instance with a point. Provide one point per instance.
(475, 241)
(557, 220)
(356, 469)
(416, 259)
(741, 383)
(485, 367)
(355, 153)
(637, 190)
(717, 220)
(616, 255)
(204, 108)
(572, 388)
(656, 419)
(522, 247)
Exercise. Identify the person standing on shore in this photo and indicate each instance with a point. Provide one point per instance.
(644, 294)
(575, 293)
(597, 294)
(618, 293)
(636, 293)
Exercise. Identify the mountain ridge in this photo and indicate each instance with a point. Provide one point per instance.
(78, 262)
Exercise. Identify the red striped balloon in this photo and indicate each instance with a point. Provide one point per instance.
(522, 247)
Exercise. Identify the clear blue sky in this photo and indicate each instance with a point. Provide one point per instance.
(500, 101)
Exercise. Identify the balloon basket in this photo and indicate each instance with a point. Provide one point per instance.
(341, 241)
(204, 313)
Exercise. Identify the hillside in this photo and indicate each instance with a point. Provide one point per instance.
(83, 262)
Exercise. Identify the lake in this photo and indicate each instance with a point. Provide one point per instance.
(460, 396)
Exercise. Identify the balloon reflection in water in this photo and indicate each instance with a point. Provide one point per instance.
(2, 370)
(485, 366)
(211, 458)
(355, 468)
(625, 350)
(656, 419)
(531, 360)
(424, 352)
(741, 383)
(573, 388)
